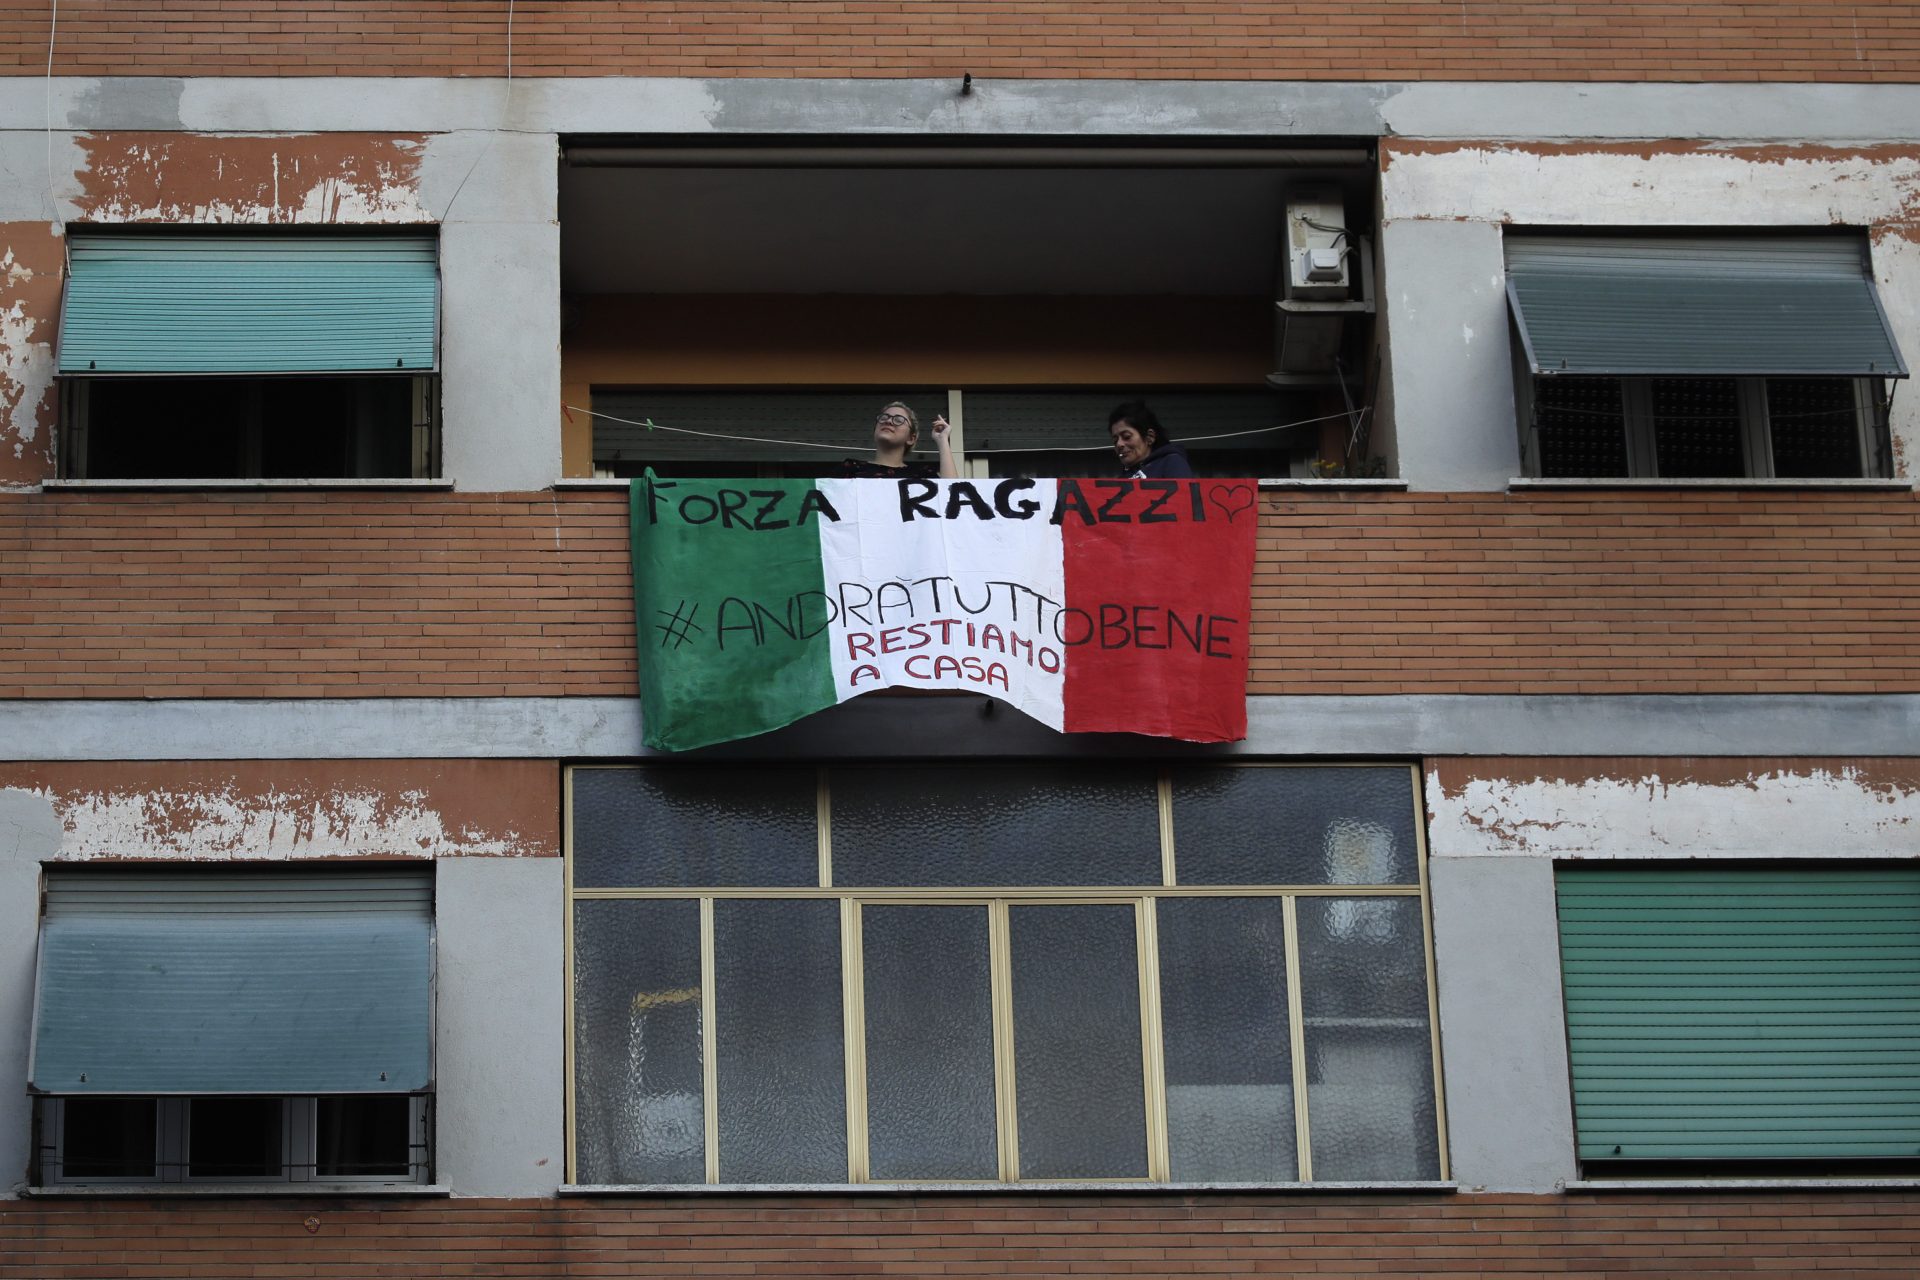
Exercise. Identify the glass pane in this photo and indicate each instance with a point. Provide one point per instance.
(638, 1109)
(1229, 1060)
(1815, 427)
(1582, 427)
(1696, 427)
(235, 1138)
(107, 1138)
(363, 1137)
(996, 825)
(671, 828)
(1294, 826)
(1076, 1043)
(782, 1062)
(1363, 974)
(930, 1101)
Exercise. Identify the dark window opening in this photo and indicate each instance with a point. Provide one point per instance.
(109, 1138)
(235, 1138)
(362, 1137)
(1708, 428)
(249, 428)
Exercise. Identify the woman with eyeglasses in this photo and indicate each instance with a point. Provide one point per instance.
(895, 432)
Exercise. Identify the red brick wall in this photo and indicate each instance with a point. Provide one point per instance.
(365, 594)
(1876, 40)
(1832, 1235)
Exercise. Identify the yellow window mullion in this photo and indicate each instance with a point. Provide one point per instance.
(1297, 1032)
(853, 1018)
(1000, 961)
(1152, 1050)
(709, 1040)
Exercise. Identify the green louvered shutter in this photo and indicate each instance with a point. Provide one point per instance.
(1743, 1013)
(250, 304)
(1699, 306)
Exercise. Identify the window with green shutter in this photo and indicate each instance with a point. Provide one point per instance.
(198, 354)
(1743, 1014)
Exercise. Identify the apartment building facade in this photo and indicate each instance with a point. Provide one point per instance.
(1557, 913)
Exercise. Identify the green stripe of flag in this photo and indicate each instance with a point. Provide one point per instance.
(714, 599)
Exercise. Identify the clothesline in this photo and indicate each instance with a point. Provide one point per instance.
(971, 453)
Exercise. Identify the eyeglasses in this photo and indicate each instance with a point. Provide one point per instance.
(893, 419)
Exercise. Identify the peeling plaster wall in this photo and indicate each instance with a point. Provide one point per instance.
(315, 179)
(272, 810)
(1629, 184)
(1674, 807)
(32, 257)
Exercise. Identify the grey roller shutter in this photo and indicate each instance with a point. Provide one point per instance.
(1699, 305)
(178, 982)
(1739, 1013)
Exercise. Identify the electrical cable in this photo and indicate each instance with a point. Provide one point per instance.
(971, 453)
(53, 29)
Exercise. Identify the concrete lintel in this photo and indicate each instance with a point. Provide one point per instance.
(964, 726)
(665, 104)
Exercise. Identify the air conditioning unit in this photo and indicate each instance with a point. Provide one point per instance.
(1322, 258)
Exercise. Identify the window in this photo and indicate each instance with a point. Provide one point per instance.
(1032, 973)
(238, 1026)
(188, 356)
(376, 1139)
(1701, 357)
(1005, 433)
(1742, 1017)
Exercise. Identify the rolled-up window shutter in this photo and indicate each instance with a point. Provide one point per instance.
(175, 982)
(250, 304)
(1699, 305)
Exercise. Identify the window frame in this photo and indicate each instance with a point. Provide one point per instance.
(999, 902)
(1756, 428)
(172, 1147)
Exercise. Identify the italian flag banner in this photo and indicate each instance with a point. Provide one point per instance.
(1095, 606)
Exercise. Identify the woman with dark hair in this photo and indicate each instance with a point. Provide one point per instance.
(895, 431)
(1143, 446)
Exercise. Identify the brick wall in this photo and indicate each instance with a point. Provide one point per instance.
(302, 594)
(1834, 1235)
(1874, 40)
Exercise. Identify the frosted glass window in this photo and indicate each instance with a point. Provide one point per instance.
(781, 1059)
(1229, 1059)
(1076, 1043)
(638, 1114)
(929, 1003)
(695, 828)
(998, 825)
(1363, 974)
(1294, 826)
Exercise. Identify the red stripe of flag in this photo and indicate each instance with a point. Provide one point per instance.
(1164, 606)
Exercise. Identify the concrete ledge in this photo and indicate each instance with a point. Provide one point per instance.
(1008, 1188)
(1342, 482)
(1874, 484)
(229, 1190)
(397, 482)
(962, 726)
(1744, 1184)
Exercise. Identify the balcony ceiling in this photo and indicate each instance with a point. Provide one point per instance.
(927, 231)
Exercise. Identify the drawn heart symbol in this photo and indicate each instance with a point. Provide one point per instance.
(1237, 498)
